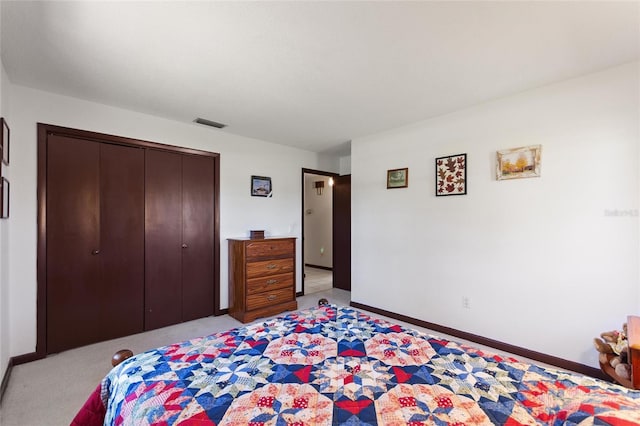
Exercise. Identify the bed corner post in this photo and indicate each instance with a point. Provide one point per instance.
(120, 356)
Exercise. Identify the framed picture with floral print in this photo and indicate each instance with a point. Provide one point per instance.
(451, 175)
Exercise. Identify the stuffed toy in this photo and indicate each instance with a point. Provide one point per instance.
(603, 349)
(610, 336)
(612, 349)
(623, 370)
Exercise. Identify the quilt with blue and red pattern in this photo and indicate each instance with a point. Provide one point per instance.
(335, 365)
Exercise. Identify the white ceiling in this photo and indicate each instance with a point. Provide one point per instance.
(309, 74)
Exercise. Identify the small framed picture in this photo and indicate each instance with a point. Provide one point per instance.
(451, 175)
(260, 186)
(519, 163)
(4, 198)
(4, 140)
(397, 178)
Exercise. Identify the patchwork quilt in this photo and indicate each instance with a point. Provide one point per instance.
(334, 365)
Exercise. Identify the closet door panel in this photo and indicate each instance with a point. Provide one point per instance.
(197, 253)
(163, 239)
(122, 239)
(73, 281)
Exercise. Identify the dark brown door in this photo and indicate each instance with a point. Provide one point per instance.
(73, 215)
(342, 232)
(94, 242)
(121, 240)
(163, 239)
(197, 237)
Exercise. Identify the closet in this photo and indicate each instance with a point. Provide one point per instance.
(127, 236)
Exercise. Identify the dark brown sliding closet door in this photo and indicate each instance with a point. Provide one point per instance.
(73, 237)
(163, 242)
(197, 253)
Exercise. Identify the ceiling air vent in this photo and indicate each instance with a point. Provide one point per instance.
(209, 123)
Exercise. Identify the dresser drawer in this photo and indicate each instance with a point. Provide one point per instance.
(269, 298)
(268, 248)
(269, 267)
(272, 282)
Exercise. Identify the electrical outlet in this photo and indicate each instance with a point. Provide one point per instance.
(466, 302)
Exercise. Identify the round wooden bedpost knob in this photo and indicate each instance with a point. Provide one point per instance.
(120, 356)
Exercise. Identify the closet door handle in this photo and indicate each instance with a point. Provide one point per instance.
(184, 246)
(94, 252)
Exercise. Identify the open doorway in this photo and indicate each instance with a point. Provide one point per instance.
(326, 231)
(317, 230)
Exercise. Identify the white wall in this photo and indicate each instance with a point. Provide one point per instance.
(318, 222)
(4, 241)
(345, 165)
(239, 212)
(328, 162)
(546, 262)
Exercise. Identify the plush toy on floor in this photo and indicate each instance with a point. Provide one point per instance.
(612, 347)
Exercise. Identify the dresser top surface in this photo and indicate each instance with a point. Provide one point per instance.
(261, 239)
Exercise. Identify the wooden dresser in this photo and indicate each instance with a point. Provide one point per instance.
(262, 277)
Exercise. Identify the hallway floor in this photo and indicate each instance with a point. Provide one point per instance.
(317, 279)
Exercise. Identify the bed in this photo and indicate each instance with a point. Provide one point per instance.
(336, 365)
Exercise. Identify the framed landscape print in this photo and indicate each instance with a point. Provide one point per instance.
(398, 178)
(451, 175)
(519, 163)
(260, 186)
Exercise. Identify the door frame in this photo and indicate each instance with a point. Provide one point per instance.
(311, 172)
(41, 269)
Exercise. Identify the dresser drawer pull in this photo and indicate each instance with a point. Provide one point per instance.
(272, 266)
(272, 297)
(272, 281)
